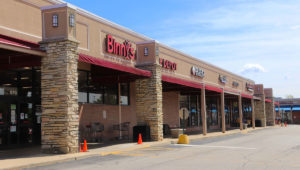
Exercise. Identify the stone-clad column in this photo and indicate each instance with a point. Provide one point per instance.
(253, 113)
(149, 101)
(223, 112)
(270, 113)
(59, 83)
(203, 110)
(240, 112)
(259, 109)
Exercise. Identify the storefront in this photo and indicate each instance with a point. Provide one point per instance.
(71, 75)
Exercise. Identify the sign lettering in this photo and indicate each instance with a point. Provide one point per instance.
(124, 49)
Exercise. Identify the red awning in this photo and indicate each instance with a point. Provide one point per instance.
(230, 91)
(212, 88)
(276, 103)
(19, 42)
(247, 96)
(115, 66)
(187, 83)
(268, 100)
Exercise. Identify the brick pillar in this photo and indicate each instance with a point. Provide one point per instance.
(149, 101)
(203, 110)
(270, 116)
(240, 111)
(253, 113)
(223, 112)
(259, 109)
(59, 83)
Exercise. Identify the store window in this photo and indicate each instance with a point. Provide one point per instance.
(212, 112)
(90, 91)
(82, 86)
(125, 93)
(192, 103)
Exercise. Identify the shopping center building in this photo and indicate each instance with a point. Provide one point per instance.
(69, 75)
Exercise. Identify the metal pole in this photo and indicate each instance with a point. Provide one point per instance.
(183, 121)
(223, 111)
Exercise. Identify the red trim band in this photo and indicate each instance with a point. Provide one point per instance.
(212, 88)
(247, 96)
(174, 80)
(268, 100)
(115, 66)
(4, 39)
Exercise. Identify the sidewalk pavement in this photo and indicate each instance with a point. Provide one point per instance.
(39, 159)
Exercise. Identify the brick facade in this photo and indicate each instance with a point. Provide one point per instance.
(149, 102)
(59, 83)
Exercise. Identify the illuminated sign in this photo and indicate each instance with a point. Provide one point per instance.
(250, 87)
(197, 72)
(124, 49)
(223, 79)
(167, 64)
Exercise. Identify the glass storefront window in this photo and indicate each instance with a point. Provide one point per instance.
(212, 112)
(82, 86)
(125, 93)
(111, 94)
(96, 93)
(192, 103)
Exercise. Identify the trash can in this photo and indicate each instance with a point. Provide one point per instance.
(245, 125)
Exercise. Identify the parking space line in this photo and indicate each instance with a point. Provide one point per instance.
(210, 146)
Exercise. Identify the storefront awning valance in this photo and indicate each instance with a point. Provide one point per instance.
(268, 100)
(115, 66)
(212, 88)
(18, 42)
(187, 83)
(247, 96)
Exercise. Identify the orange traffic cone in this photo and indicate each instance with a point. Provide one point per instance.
(140, 139)
(285, 123)
(80, 148)
(84, 149)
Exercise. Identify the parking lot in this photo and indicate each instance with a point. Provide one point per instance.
(272, 148)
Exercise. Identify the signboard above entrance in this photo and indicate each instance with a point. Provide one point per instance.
(197, 72)
(223, 79)
(168, 64)
(250, 87)
(126, 50)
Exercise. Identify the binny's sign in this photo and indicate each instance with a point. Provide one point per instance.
(126, 50)
(197, 72)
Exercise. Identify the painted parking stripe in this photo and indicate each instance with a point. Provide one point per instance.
(210, 146)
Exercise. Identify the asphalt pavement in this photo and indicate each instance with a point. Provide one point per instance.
(272, 148)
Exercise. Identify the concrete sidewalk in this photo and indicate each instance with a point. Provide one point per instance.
(39, 159)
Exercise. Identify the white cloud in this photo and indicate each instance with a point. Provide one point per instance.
(252, 68)
(295, 27)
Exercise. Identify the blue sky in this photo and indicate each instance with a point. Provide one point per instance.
(258, 39)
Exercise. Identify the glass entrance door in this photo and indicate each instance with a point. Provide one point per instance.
(4, 119)
(25, 123)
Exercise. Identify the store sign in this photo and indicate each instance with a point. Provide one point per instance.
(223, 79)
(197, 72)
(235, 84)
(167, 64)
(250, 87)
(124, 49)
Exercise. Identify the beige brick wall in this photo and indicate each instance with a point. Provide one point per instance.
(171, 109)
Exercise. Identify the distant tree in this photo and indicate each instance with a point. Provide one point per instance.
(289, 96)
